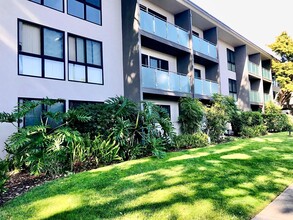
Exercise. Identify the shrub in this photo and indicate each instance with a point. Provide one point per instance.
(253, 131)
(3, 174)
(191, 115)
(217, 120)
(250, 118)
(190, 141)
(272, 108)
(277, 122)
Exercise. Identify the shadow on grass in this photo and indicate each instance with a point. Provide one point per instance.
(233, 180)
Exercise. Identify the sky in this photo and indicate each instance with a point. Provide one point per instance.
(260, 21)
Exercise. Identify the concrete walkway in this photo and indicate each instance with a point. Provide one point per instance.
(280, 209)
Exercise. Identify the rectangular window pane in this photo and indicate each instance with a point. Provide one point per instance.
(144, 60)
(93, 15)
(95, 75)
(93, 52)
(80, 50)
(76, 72)
(76, 8)
(34, 116)
(53, 43)
(30, 38)
(30, 66)
(57, 107)
(154, 63)
(96, 3)
(56, 4)
(72, 49)
(54, 69)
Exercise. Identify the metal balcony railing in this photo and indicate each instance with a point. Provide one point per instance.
(204, 47)
(163, 80)
(205, 87)
(163, 29)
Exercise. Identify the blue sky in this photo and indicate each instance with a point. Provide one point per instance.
(260, 21)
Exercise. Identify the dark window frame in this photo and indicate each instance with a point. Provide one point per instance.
(42, 3)
(85, 64)
(91, 5)
(167, 108)
(199, 71)
(231, 60)
(41, 56)
(77, 103)
(159, 60)
(233, 88)
(24, 99)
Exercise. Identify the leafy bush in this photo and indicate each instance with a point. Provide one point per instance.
(190, 141)
(250, 118)
(191, 115)
(3, 174)
(253, 131)
(277, 122)
(272, 108)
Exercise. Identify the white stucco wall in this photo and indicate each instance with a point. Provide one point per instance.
(225, 74)
(13, 86)
(171, 59)
(174, 108)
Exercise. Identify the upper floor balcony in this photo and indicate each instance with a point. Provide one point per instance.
(204, 47)
(254, 96)
(253, 68)
(163, 29)
(205, 87)
(267, 97)
(163, 80)
(266, 74)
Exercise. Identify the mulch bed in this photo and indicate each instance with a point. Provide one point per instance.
(20, 183)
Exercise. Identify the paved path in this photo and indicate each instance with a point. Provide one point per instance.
(280, 209)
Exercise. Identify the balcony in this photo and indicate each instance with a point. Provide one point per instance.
(254, 96)
(162, 80)
(267, 97)
(266, 74)
(163, 29)
(205, 87)
(204, 47)
(253, 68)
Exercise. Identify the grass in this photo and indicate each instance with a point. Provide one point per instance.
(235, 180)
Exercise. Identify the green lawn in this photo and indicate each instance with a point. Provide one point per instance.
(228, 181)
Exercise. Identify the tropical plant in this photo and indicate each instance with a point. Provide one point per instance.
(3, 174)
(191, 115)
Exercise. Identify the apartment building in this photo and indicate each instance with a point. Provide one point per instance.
(174, 49)
(67, 49)
(156, 50)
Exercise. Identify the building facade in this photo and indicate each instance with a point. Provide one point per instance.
(64, 49)
(155, 50)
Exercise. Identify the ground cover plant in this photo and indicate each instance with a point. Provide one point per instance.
(232, 180)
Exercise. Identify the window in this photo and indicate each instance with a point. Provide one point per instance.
(41, 51)
(152, 12)
(85, 60)
(231, 60)
(195, 34)
(144, 60)
(89, 10)
(37, 115)
(75, 104)
(197, 73)
(233, 89)
(55, 4)
(159, 64)
(166, 108)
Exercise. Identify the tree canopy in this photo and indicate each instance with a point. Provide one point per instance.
(283, 46)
